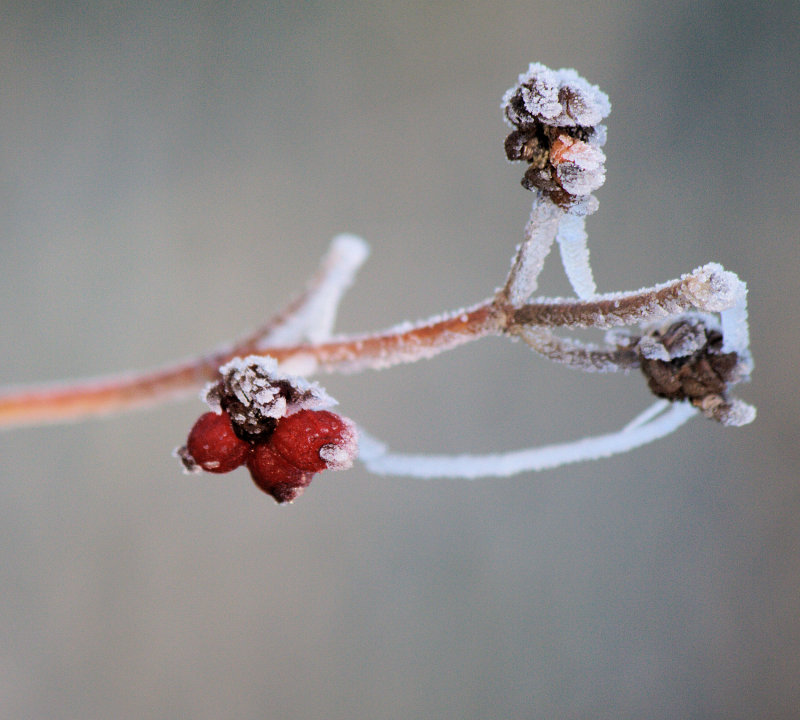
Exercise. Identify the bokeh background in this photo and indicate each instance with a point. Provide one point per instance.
(169, 174)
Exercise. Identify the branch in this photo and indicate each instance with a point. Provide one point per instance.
(379, 460)
(710, 288)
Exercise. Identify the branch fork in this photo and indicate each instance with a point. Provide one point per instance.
(688, 336)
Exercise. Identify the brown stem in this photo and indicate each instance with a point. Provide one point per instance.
(73, 401)
(589, 358)
(619, 309)
(42, 404)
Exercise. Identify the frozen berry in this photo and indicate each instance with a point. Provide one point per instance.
(276, 476)
(314, 440)
(213, 445)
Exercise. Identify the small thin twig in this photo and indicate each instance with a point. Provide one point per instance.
(379, 460)
(50, 403)
(573, 353)
(540, 233)
(572, 239)
(706, 289)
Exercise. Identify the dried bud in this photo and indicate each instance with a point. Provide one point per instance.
(684, 361)
(256, 395)
(558, 98)
(555, 116)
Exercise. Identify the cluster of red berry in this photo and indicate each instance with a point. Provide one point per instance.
(282, 464)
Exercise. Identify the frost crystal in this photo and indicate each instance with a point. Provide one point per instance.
(580, 168)
(256, 394)
(555, 97)
(340, 456)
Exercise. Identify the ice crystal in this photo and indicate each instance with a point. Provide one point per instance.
(561, 98)
(256, 394)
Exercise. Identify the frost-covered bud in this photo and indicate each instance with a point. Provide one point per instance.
(555, 116)
(256, 395)
(684, 361)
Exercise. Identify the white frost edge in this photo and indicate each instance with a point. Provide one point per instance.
(735, 328)
(315, 320)
(313, 395)
(540, 232)
(572, 242)
(647, 427)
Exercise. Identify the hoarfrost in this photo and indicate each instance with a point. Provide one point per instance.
(652, 349)
(555, 97)
(599, 136)
(584, 205)
(315, 319)
(713, 289)
(587, 357)
(585, 174)
(572, 241)
(540, 97)
(348, 254)
(689, 339)
(738, 413)
(540, 232)
(735, 328)
(258, 382)
(340, 456)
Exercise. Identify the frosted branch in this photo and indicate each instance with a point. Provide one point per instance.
(315, 315)
(572, 241)
(378, 459)
(573, 353)
(687, 357)
(710, 288)
(540, 232)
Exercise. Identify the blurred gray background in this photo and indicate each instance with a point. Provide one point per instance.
(170, 174)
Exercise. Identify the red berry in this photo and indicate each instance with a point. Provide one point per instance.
(276, 476)
(314, 440)
(214, 446)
